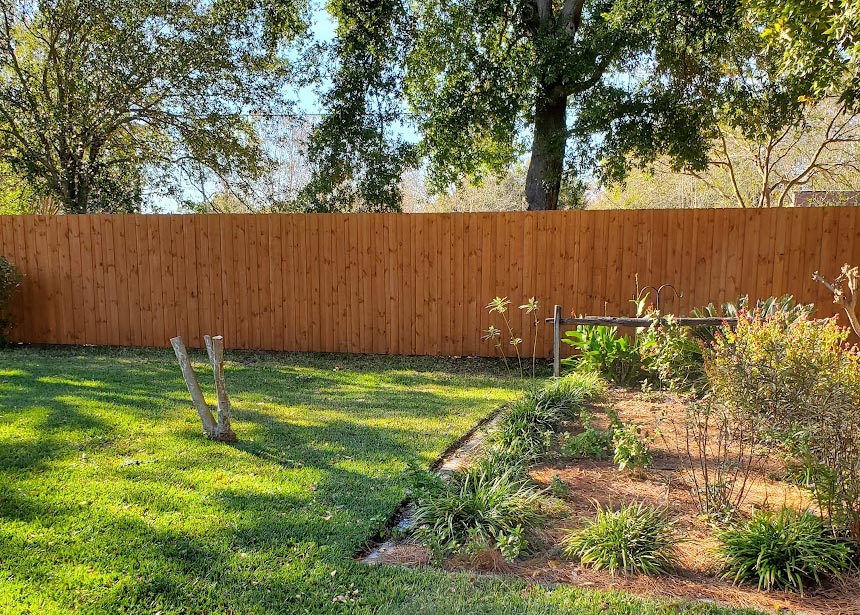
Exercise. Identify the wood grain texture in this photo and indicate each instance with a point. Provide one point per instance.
(397, 283)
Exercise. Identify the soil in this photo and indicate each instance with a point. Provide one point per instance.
(664, 484)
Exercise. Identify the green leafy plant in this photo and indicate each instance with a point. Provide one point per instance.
(575, 389)
(558, 487)
(782, 551)
(10, 280)
(785, 305)
(631, 449)
(501, 306)
(531, 308)
(526, 428)
(591, 442)
(603, 350)
(633, 539)
(674, 356)
(478, 509)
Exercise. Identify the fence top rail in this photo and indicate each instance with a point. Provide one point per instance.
(621, 321)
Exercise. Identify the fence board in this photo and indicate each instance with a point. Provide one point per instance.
(406, 284)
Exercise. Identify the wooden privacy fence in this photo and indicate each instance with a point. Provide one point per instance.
(397, 283)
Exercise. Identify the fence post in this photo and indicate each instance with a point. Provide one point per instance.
(556, 341)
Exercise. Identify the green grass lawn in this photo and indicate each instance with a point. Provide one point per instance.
(111, 500)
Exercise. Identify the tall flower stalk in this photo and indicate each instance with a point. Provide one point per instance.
(531, 307)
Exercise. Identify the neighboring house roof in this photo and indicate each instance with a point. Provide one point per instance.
(821, 198)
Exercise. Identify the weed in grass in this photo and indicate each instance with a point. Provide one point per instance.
(785, 550)
(633, 539)
(558, 487)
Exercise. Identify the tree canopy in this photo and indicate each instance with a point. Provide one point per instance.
(100, 104)
(608, 76)
(94, 97)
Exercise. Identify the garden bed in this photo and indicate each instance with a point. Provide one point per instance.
(582, 484)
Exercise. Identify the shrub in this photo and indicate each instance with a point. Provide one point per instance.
(785, 305)
(634, 539)
(800, 383)
(603, 350)
(721, 449)
(631, 449)
(477, 509)
(783, 551)
(10, 280)
(674, 356)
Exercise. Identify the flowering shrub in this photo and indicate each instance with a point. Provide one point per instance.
(799, 381)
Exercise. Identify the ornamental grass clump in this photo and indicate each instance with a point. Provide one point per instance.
(787, 551)
(478, 509)
(635, 539)
(526, 428)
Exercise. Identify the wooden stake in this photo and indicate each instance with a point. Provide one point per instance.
(209, 425)
(215, 349)
(556, 341)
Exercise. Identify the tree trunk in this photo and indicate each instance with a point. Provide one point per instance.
(209, 425)
(215, 350)
(543, 180)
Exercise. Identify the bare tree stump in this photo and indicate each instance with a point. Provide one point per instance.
(221, 429)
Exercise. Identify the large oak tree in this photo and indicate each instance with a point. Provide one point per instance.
(587, 80)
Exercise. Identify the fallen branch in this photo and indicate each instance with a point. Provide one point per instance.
(844, 289)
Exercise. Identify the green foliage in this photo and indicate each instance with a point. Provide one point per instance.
(526, 428)
(357, 157)
(602, 349)
(590, 443)
(635, 539)
(631, 449)
(558, 487)
(573, 390)
(478, 509)
(500, 306)
(782, 551)
(133, 92)
(784, 305)
(10, 280)
(817, 40)
(478, 70)
(800, 383)
(674, 356)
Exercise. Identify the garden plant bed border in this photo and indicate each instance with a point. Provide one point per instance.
(457, 456)
(697, 578)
